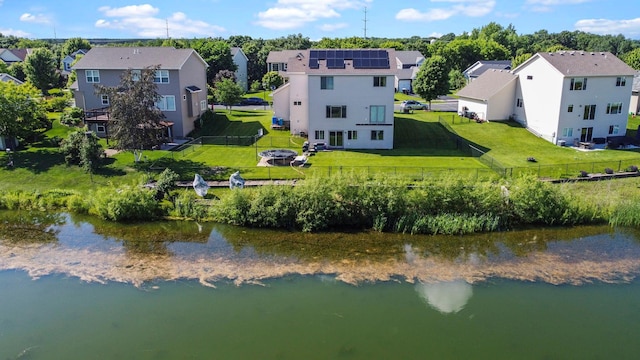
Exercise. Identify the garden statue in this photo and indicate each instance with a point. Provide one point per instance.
(200, 186)
(236, 181)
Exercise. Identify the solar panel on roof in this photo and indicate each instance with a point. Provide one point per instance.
(322, 54)
(348, 54)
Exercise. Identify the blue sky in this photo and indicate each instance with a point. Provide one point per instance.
(315, 19)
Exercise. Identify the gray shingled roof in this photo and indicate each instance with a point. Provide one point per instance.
(487, 84)
(585, 63)
(409, 56)
(122, 58)
(282, 56)
(302, 66)
(405, 74)
(479, 67)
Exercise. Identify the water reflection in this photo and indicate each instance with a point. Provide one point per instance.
(446, 296)
(96, 250)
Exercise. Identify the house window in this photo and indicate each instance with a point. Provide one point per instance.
(570, 108)
(319, 134)
(326, 82)
(203, 105)
(379, 81)
(352, 135)
(336, 111)
(161, 77)
(578, 84)
(377, 135)
(135, 75)
(589, 112)
(167, 103)
(100, 128)
(297, 103)
(274, 67)
(104, 99)
(376, 114)
(93, 76)
(621, 81)
(567, 132)
(614, 108)
(519, 102)
(529, 77)
(613, 129)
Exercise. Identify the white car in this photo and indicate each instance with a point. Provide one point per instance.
(413, 105)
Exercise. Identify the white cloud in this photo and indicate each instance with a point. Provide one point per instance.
(142, 21)
(291, 14)
(333, 27)
(629, 28)
(547, 5)
(129, 11)
(18, 33)
(35, 18)
(470, 8)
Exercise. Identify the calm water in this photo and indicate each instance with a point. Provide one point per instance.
(77, 288)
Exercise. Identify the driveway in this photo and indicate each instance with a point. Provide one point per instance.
(443, 103)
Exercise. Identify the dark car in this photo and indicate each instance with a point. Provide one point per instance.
(253, 101)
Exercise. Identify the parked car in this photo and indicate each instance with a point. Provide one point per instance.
(408, 105)
(253, 101)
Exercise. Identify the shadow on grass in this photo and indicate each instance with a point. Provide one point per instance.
(107, 170)
(220, 125)
(38, 161)
(186, 169)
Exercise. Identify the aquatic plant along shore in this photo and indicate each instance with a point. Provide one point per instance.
(353, 201)
(95, 254)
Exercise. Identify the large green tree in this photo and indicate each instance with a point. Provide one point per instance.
(22, 113)
(41, 69)
(228, 92)
(74, 44)
(432, 79)
(217, 54)
(135, 119)
(272, 80)
(632, 58)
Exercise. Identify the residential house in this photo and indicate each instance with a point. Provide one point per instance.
(7, 77)
(10, 56)
(634, 106)
(407, 64)
(565, 97)
(490, 96)
(69, 59)
(480, 67)
(181, 81)
(278, 60)
(241, 61)
(342, 98)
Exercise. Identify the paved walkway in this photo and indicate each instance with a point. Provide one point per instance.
(247, 183)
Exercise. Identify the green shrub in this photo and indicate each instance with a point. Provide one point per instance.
(56, 104)
(188, 205)
(626, 213)
(124, 204)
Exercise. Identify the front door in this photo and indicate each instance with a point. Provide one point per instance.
(336, 139)
(586, 135)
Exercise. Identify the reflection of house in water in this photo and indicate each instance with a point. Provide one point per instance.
(446, 296)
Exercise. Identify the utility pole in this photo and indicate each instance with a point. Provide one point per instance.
(365, 22)
(167, 22)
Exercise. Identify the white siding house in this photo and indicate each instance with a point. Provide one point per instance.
(563, 97)
(339, 100)
(241, 60)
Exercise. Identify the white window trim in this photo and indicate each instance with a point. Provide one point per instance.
(203, 105)
(104, 99)
(161, 77)
(92, 76)
(165, 103)
(380, 109)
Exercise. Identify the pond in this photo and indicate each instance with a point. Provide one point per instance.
(77, 287)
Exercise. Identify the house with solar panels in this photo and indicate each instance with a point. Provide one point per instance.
(340, 97)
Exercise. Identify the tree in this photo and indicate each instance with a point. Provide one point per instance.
(432, 79)
(17, 71)
(74, 44)
(136, 120)
(456, 79)
(82, 148)
(217, 54)
(519, 60)
(632, 58)
(272, 80)
(224, 74)
(228, 92)
(41, 70)
(21, 111)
